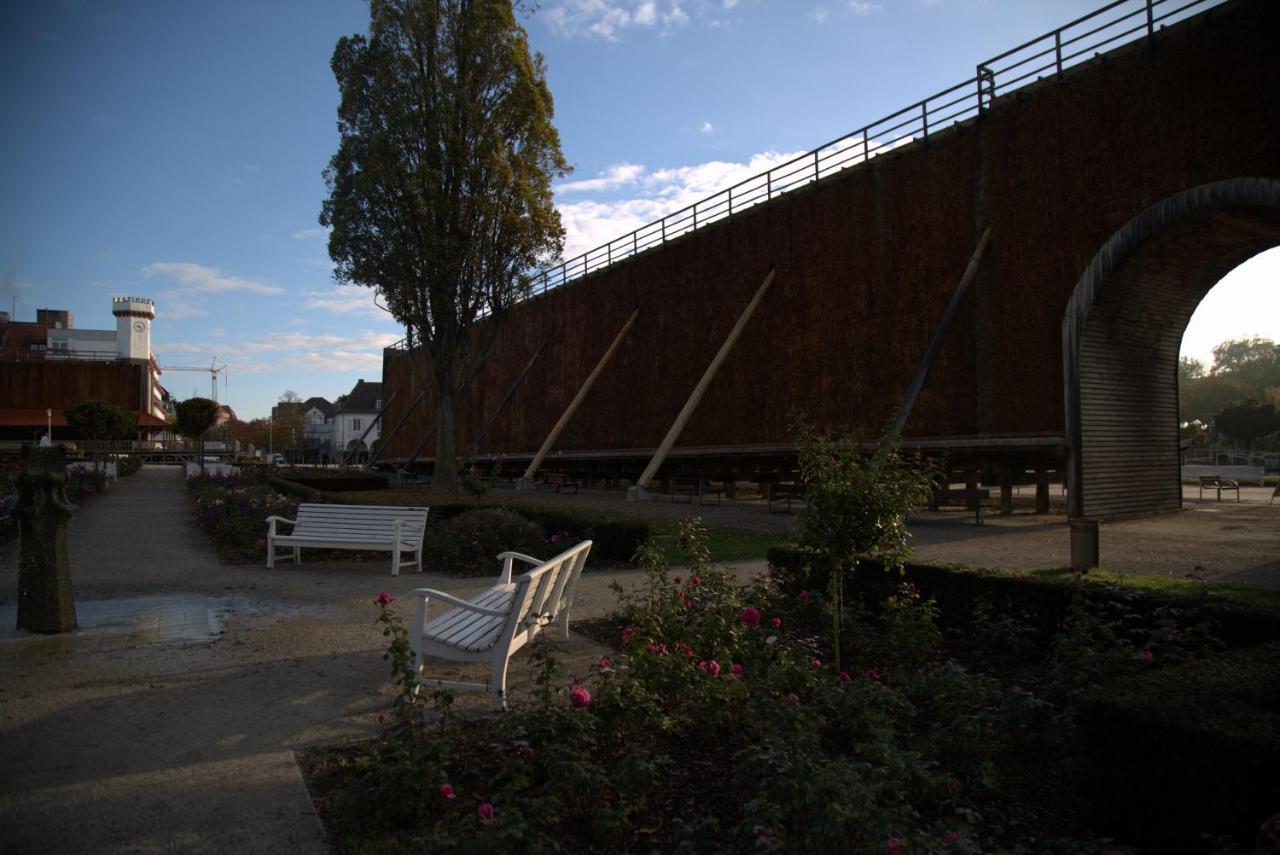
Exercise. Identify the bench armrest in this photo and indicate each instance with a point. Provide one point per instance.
(271, 523)
(506, 558)
(424, 594)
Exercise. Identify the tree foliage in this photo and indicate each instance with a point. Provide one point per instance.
(440, 191)
(1248, 420)
(195, 416)
(1242, 369)
(101, 420)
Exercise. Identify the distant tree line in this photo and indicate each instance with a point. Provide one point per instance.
(1239, 397)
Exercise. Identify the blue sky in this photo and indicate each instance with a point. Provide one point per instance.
(174, 150)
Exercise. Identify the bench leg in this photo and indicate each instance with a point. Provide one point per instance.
(395, 559)
(271, 553)
(297, 555)
(498, 683)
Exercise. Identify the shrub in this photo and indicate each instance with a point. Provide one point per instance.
(1203, 738)
(468, 545)
(340, 483)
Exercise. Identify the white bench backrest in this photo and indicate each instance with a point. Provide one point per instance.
(541, 591)
(360, 522)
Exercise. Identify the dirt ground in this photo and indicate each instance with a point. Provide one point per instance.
(169, 721)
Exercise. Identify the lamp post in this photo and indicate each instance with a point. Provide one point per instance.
(48, 415)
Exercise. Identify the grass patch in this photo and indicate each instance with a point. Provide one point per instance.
(726, 544)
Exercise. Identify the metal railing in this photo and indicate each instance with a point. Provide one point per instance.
(1048, 55)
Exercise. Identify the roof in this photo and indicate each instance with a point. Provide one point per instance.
(321, 404)
(40, 418)
(364, 398)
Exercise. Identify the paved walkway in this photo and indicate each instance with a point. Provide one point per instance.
(151, 737)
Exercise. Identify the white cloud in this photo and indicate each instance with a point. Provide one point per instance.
(729, 4)
(607, 19)
(706, 128)
(863, 7)
(819, 14)
(352, 300)
(311, 234)
(616, 176)
(292, 350)
(206, 280)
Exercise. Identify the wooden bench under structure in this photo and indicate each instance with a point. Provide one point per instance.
(782, 494)
(1217, 482)
(689, 488)
(494, 624)
(558, 482)
(355, 527)
(971, 498)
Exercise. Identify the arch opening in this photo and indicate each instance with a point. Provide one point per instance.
(1122, 335)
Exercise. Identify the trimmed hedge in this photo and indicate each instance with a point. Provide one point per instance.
(1185, 751)
(1041, 601)
(613, 541)
(342, 483)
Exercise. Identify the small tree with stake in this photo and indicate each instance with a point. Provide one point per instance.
(1248, 421)
(194, 418)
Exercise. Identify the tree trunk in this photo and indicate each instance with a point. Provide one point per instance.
(445, 479)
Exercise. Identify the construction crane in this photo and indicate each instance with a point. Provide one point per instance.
(214, 369)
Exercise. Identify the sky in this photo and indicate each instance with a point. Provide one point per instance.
(174, 149)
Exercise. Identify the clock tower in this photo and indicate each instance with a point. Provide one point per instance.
(133, 327)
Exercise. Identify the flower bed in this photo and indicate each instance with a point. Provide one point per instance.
(233, 512)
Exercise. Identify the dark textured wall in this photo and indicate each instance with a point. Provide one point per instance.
(37, 385)
(867, 261)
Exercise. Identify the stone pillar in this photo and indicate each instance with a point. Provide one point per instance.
(1006, 490)
(45, 599)
(971, 484)
(1042, 490)
(1084, 544)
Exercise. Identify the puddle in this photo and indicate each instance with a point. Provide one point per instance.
(133, 620)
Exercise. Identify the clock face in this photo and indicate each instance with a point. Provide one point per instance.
(139, 326)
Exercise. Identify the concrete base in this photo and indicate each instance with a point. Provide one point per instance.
(1084, 544)
(636, 493)
(526, 485)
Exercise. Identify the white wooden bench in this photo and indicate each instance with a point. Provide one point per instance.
(497, 622)
(360, 527)
(212, 470)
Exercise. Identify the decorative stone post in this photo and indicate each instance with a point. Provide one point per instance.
(45, 599)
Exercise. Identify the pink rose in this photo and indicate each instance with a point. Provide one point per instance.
(712, 667)
(262, 544)
(777, 623)
(792, 699)
(1147, 656)
(580, 696)
(486, 814)
(844, 676)
(804, 595)
(676, 580)
(695, 581)
(815, 664)
(893, 846)
(446, 792)
(751, 616)
(604, 665)
(873, 674)
(951, 839)
(736, 670)
(627, 633)
(384, 599)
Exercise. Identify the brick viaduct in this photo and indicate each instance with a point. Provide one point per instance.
(1117, 193)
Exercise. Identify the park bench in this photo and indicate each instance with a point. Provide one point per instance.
(414, 480)
(688, 488)
(783, 494)
(1217, 482)
(559, 482)
(357, 527)
(492, 625)
(973, 498)
(212, 470)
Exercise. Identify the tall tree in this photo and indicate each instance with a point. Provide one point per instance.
(440, 191)
(1248, 420)
(98, 420)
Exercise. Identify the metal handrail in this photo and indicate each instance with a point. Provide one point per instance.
(1052, 53)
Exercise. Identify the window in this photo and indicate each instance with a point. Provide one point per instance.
(355, 424)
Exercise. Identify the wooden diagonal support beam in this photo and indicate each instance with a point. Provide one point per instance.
(506, 399)
(917, 383)
(386, 440)
(526, 480)
(640, 490)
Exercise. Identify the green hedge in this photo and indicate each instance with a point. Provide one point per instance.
(1042, 601)
(613, 541)
(1187, 750)
(341, 483)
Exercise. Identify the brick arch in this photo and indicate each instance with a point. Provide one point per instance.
(1122, 333)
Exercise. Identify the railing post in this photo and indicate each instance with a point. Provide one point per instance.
(866, 152)
(1057, 50)
(1151, 19)
(695, 217)
(815, 164)
(635, 242)
(731, 201)
(768, 185)
(664, 229)
(608, 253)
(924, 117)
